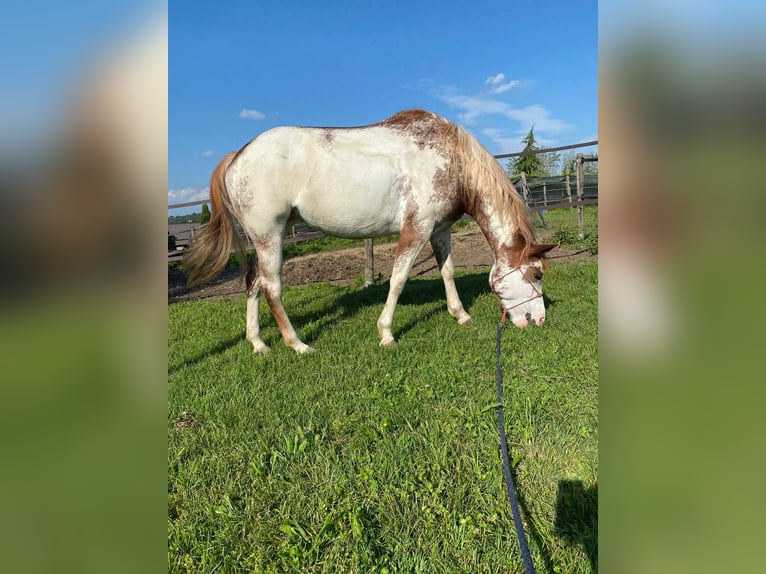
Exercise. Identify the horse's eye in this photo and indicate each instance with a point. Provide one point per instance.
(538, 276)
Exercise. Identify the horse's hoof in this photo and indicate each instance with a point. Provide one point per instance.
(261, 349)
(388, 343)
(303, 349)
(467, 320)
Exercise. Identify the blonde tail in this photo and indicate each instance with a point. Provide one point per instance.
(210, 252)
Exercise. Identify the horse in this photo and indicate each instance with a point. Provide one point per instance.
(414, 173)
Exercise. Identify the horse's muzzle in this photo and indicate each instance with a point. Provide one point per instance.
(527, 320)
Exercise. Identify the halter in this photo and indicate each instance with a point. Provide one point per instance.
(537, 294)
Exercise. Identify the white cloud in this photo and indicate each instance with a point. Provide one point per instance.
(473, 107)
(497, 86)
(473, 111)
(495, 80)
(505, 87)
(208, 153)
(251, 114)
(187, 194)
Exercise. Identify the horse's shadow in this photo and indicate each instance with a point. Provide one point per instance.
(311, 325)
(418, 292)
(217, 349)
(577, 517)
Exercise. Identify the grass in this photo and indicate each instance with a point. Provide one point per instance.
(363, 459)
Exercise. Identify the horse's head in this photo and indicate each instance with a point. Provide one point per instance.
(517, 281)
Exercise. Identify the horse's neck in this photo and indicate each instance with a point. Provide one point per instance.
(499, 231)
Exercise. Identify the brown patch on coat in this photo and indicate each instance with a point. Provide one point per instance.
(243, 198)
(425, 128)
(446, 195)
(533, 274)
(325, 137)
(409, 234)
(529, 253)
(479, 213)
(264, 245)
(250, 285)
(280, 317)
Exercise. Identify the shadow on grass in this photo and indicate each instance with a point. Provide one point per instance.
(310, 326)
(532, 531)
(215, 350)
(576, 520)
(416, 292)
(577, 517)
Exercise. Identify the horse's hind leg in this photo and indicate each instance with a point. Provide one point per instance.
(440, 243)
(270, 283)
(253, 329)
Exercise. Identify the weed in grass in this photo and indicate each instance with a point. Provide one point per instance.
(565, 235)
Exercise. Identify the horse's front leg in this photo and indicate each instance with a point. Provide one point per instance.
(440, 243)
(410, 244)
(270, 283)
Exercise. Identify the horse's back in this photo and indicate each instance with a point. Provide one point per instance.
(352, 182)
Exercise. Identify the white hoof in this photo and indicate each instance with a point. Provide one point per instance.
(388, 343)
(260, 348)
(302, 348)
(466, 320)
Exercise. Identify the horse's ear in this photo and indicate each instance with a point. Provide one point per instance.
(537, 249)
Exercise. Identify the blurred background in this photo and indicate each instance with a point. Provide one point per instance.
(83, 180)
(683, 140)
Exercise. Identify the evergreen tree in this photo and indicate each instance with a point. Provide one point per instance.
(205, 217)
(529, 164)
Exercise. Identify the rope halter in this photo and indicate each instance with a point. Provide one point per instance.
(493, 286)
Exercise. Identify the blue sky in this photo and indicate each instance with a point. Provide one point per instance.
(239, 68)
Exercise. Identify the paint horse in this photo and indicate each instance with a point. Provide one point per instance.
(414, 173)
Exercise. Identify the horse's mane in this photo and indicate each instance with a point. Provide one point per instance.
(480, 178)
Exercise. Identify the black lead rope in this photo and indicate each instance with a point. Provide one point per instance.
(528, 565)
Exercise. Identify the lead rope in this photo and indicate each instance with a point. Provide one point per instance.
(526, 557)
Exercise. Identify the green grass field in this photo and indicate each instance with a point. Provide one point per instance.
(363, 459)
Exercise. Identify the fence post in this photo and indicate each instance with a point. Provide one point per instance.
(369, 263)
(524, 188)
(569, 193)
(580, 185)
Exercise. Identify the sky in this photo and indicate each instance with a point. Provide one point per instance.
(239, 68)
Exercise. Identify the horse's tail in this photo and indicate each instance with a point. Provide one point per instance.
(210, 251)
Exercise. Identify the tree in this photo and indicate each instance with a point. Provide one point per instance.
(570, 165)
(529, 164)
(205, 217)
(550, 163)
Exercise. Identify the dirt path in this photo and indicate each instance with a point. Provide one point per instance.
(470, 251)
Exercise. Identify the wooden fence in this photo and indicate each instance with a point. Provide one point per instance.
(538, 195)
